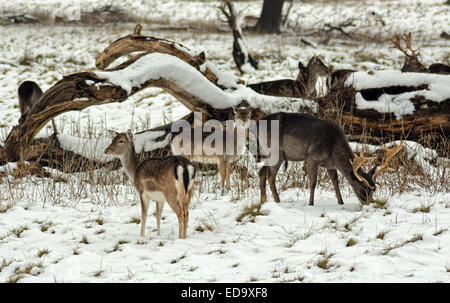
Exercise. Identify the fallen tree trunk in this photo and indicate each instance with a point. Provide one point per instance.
(413, 107)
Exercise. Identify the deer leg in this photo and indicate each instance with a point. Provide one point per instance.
(228, 175)
(178, 208)
(222, 171)
(272, 174)
(185, 221)
(334, 179)
(262, 183)
(182, 221)
(312, 168)
(158, 212)
(144, 209)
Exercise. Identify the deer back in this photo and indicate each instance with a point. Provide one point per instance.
(304, 136)
(28, 92)
(439, 68)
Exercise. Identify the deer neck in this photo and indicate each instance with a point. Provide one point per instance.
(129, 162)
(310, 81)
(343, 155)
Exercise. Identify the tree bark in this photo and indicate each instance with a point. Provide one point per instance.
(241, 55)
(270, 19)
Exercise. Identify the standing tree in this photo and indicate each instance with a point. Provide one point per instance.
(244, 60)
(271, 15)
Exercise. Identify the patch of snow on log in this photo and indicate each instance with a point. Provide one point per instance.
(387, 104)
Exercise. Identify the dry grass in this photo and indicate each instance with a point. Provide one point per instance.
(413, 239)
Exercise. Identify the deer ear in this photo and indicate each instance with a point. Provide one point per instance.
(301, 67)
(129, 135)
(112, 133)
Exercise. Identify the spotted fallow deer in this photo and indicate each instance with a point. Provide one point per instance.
(29, 92)
(213, 153)
(168, 180)
(322, 143)
(303, 87)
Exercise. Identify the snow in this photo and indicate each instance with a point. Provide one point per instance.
(155, 66)
(387, 104)
(438, 85)
(438, 90)
(283, 243)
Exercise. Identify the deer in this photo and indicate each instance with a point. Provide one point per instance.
(225, 161)
(411, 63)
(439, 68)
(319, 143)
(29, 93)
(169, 179)
(250, 21)
(303, 87)
(337, 79)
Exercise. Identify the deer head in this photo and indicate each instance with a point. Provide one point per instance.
(241, 113)
(316, 66)
(412, 63)
(369, 179)
(122, 143)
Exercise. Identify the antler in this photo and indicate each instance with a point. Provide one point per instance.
(407, 39)
(390, 152)
(357, 163)
(397, 41)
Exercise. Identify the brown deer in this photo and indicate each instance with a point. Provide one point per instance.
(322, 143)
(412, 63)
(208, 153)
(29, 92)
(250, 21)
(168, 180)
(439, 68)
(303, 87)
(337, 79)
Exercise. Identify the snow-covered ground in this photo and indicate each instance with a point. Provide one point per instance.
(85, 229)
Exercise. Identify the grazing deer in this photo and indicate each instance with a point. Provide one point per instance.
(323, 143)
(412, 63)
(303, 87)
(208, 153)
(168, 180)
(29, 92)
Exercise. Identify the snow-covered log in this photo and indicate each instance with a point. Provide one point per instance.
(391, 104)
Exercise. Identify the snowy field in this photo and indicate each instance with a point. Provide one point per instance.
(86, 229)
